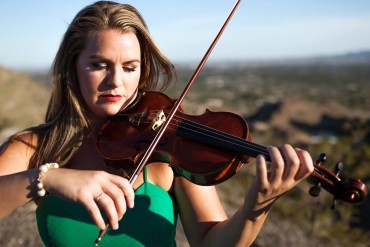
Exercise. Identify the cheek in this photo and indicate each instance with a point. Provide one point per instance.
(86, 90)
(131, 83)
(135, 84)
(87, 86)
(83, 84)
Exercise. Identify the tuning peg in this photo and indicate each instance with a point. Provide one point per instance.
(315, 190)
(321, 159)
(338, 168)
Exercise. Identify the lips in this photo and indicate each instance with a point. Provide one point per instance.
(111, 97)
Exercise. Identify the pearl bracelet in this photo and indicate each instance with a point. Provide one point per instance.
(43, 169)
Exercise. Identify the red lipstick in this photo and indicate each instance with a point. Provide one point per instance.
(111, 97)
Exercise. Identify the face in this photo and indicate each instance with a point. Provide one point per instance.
(108, 71)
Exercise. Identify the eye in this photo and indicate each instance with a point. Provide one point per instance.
(99, 66)
(129, 69)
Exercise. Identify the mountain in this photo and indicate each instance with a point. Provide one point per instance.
(23, 102)
(351, 58)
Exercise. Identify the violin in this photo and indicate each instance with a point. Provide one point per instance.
(202, 149)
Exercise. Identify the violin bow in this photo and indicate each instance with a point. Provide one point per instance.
(176, 106)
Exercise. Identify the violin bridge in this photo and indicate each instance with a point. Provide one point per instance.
(158, 120)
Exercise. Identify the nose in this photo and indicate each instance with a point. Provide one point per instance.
(116, 77)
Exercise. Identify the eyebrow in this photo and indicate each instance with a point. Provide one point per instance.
(126, 62)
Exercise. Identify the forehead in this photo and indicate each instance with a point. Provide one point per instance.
(110, 42)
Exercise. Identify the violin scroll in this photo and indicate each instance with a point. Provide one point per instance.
(350, 190)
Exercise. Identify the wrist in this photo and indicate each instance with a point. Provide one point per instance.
(256, 204)
(43, 171)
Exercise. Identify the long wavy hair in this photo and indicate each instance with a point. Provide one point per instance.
(66, 122)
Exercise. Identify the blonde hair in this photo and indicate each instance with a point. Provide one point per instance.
(66, 123)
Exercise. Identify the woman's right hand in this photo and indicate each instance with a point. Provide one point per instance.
(95, 190)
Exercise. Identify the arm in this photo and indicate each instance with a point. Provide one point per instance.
(15, 180)
(204, 220)
(18, 185)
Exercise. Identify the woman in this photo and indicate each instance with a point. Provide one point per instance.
(105, 57)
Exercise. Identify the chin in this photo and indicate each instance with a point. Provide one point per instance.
(104, 113)
(109, 114)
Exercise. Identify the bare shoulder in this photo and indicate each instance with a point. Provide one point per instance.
(16, 152)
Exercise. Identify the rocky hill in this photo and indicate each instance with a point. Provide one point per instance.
(23, 102)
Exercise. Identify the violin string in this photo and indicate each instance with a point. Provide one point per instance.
(222, 136)
(214, 132)
(203, 130)
(259, 149)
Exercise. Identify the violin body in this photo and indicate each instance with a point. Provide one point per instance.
(192, 154)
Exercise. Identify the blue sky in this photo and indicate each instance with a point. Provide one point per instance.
(31, 30)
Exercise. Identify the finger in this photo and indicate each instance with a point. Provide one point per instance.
(125, 187)
(306, 167)
(261, 172)
(292, 162)
(277, 168)
(95, 214)
(116, 194)
(107, 205)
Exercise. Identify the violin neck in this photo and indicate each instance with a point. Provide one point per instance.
(220, 139)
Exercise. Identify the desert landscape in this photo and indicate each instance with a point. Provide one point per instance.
(320, 104)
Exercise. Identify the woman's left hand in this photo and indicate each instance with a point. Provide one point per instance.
(289, 166)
